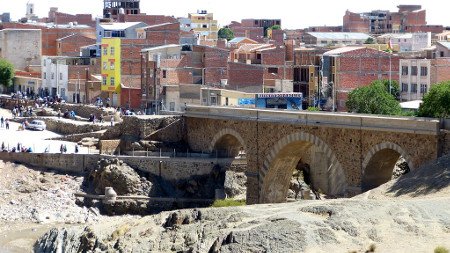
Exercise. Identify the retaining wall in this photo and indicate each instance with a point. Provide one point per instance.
(166, 167)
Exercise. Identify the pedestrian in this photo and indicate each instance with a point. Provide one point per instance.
(2, 120)
(65, 148)
(3, 146)
(7, 124)
(76, 149)
(59, 113)
(61, 148)
(112, 120)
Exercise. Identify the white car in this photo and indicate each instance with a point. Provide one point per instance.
(37, 125)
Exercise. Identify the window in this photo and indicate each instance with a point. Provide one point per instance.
(112, 50)
(60, 76)
(442, 53)
(112, 81)
(111, 65)
(164, 73)
(45, 75)
(423, 71)
(45, 63)
(414, 70)
(404, 87)
(413, 87)
(107, 34)
(205, 26)
(423, 88)
(272, 70)
(53, 75)
(104, 80)
(105, 66)
(172, 106)
(105, 51)
(404, 70)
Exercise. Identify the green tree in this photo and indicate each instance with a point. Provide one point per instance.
(393, 86)
(369, 40)
(373, 99)
(226, 33)
(275, 27)
(436, 103)
(6, 73)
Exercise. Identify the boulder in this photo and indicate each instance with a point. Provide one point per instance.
(235, 185)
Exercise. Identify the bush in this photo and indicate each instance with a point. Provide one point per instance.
(228, 202)
(436, 103)
(441, 249)
(313, 109)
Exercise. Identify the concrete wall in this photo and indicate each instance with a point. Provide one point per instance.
(21, 47)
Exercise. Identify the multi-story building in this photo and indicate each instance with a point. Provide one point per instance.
(22, 47)
(409, 18)
(418, 75)
(407, 41)
(55, 77)
(112, 8)
(111, 69)
(307, 65)
(126, 30)
(257, 29)
(442, 49)
(204, 25)
(347, 68)
(180, 73)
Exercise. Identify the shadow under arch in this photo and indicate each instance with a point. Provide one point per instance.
(227, 143)
(378, 165)
(283, 158)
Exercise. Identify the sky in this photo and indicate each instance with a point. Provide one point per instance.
(293, 13)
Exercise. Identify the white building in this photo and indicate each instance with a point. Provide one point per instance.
(55, 77)
(412, 41)
(415, 78)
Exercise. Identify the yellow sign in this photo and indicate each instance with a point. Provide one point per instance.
(111, 69)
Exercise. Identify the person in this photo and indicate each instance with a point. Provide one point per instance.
(100, 118)
(3, 145)
(7, 124)
(59, 113)
(61, 148)
(76, 149)
(112, 120)
(2, 120)
(65, 148)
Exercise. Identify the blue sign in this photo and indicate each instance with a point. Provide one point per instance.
(246, 101)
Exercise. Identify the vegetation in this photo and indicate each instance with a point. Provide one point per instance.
(313, 109)
(228, 202)
(394, 87)
(6, 73)
(373, 99)
(369, 40)
(436, 103)
(441, 249)
(226, 33)
(275, 27)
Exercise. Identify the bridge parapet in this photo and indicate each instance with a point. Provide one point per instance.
(337, 120)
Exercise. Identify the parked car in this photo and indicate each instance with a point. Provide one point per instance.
(37, 125)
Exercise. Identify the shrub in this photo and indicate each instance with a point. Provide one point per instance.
(228, 202)
(441, 249)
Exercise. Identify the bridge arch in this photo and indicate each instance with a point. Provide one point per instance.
(378, 164)
(284, 156)
(228, 142)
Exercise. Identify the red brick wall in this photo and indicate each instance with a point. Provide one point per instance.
(241, 75)
(71, 46)
(132, 95)
(148, 19)
(440, 70)
(254, 33)
(352, 22)
(274, 56)
(82, 19)
(163, 35)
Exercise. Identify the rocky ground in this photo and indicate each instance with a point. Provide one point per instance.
(409, 214)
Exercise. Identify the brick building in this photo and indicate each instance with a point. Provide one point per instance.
(56, 17)
(177, 65)
(348, 68)
(256, 29)
(71, 44)
(408, 18)
(259, 68)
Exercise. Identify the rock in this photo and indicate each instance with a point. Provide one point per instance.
(235, 185)
(115, 173)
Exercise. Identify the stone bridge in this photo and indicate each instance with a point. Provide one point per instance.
(347, 153)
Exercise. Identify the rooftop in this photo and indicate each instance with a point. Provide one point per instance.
(119, 26)
(240, 39)
(150, 49)
(340, 35)
(445, 44)
(341, 50)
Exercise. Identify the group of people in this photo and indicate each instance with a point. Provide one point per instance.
(4, 123)
(19, 148)
(67, 114)
(18, 111)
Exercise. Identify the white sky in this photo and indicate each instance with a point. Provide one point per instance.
(294, 13)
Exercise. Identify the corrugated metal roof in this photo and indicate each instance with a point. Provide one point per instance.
(339, 35)
(119, 26)
(445, 44)
(341, 50)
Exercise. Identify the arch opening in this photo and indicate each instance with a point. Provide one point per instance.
(302, 157)
(382, 166)
(229, 148)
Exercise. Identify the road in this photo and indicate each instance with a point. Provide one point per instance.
(37, 140)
